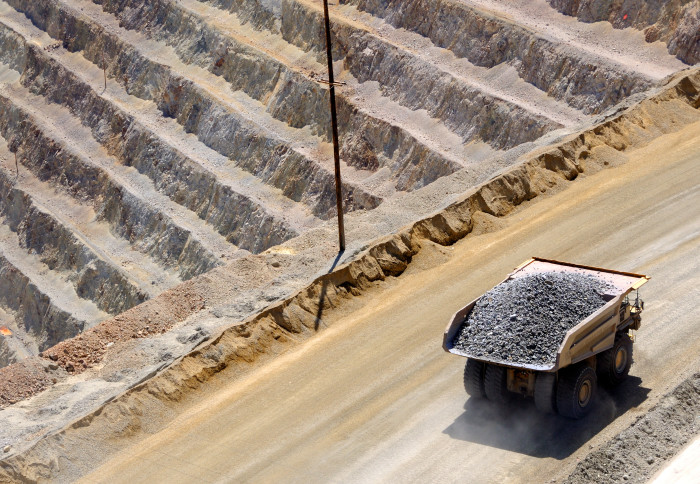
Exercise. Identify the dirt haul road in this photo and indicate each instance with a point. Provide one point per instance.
(373, 398)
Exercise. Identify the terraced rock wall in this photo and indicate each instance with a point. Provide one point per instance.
(33, 308)
(145, 143)
(577, 78)
(676, 22)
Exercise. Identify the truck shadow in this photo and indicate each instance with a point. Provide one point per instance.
(519, 427)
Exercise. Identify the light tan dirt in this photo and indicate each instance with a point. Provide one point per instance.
(684, 469)
(374, 398)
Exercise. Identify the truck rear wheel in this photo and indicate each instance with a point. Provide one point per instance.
(474, 378)
(545, 392)
(575, 391)
(495, 383)
(614, 364)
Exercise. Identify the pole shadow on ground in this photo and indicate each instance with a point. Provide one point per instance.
(324, 288)
(519, 427)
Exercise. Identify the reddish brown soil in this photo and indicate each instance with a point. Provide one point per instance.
(29, 377)
(22, 380)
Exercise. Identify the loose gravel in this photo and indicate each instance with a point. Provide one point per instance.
(638, 452)
(524, 320)
(18, 382)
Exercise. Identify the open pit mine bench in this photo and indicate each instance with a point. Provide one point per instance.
(516, 343)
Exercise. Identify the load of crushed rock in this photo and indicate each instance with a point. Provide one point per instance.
(524, 320)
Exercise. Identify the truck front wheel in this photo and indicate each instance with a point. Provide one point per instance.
(614, 364)
(474, 378)
(575, 391)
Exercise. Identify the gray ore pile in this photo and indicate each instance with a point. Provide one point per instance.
(524, 320)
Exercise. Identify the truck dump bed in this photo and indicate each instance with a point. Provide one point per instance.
(587, 337)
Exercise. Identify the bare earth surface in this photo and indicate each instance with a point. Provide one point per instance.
(684, 469)
(374, 398)
(172, 305)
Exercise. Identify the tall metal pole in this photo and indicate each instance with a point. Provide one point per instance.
(334, 126)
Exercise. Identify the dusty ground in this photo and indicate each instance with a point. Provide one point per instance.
(142, 383)
(143, 190)
(635, 453)
(375, 398)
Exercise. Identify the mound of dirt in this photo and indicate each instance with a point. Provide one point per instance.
(637, 452)
(18, 382)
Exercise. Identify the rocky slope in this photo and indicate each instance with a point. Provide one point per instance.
(675, 22)
(146, 143)
(127, 378)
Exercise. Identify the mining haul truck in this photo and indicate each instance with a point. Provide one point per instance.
(559, 365)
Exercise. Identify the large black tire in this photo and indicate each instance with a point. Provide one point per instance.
(614, 364)
(474, 378)
(546, 392)
(576, 391)
(495, 384)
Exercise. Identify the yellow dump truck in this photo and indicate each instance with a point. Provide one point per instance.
(596, 348)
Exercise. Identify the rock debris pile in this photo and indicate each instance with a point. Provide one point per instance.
(22, 381)
(639, 451)
(524, 320)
